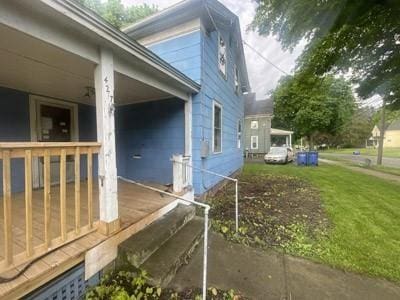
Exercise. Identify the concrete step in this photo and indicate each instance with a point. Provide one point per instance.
(165, 262)
(137, 249)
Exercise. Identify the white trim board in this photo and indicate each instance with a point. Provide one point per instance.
(251, 142)
(171, 33)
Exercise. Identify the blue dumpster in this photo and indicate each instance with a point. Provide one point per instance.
(312, 158)
(301, 158)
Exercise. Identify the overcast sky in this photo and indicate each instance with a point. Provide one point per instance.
(263, 76)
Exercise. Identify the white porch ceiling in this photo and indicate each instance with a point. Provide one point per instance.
(34, 66)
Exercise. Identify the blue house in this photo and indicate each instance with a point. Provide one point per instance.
(202, 39)
(96, 124)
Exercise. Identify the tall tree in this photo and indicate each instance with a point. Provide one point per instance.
(359, 37)
(357, 130)
(311, 105)
(117, 14)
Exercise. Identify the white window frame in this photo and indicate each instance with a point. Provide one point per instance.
(225, 70)
(239, 133)
(254, 122)
(236, 79)
(215, 103)
(251, 142)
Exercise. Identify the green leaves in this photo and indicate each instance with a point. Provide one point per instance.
(360, 38)
(117, 14)
(311, 105)
(125, 285)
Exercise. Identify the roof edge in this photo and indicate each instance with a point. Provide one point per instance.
(136, 49)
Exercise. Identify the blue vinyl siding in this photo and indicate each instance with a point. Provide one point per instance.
(15, 127)
(154, 131)
(216, 88)
(183, 52)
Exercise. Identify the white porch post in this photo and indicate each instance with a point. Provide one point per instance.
(188, 127)
(287, 140)
(189, 138)
(108, 198)
(290, 140)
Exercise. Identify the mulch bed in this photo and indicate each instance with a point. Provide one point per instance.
(271, 209)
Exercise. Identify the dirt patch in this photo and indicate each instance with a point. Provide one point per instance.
(274, 211)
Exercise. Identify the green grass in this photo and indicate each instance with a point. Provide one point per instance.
(388, 170)
(383, 169)
(387, 152)
(365, 216)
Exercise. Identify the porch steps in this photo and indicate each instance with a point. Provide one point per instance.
(163, 246)
(166, 261)
(137, 249)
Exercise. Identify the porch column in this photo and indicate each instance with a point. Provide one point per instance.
(108, 197)
(189, 137)
(188, 127)
(287, 140)
(290, 140)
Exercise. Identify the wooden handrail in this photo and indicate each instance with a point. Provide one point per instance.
(46, 151)
(19, 145)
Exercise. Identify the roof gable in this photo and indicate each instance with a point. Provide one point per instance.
(254, 107)
(395, 125)
(213, 15)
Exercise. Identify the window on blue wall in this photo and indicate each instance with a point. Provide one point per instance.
(236, 79)
(217, 128)
(222, 55)
(239, 134)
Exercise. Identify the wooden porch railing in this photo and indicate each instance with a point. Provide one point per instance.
(45, 151)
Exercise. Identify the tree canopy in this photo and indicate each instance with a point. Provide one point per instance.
(117, 14)
(356, 37)
(311, 105)
(357, 130)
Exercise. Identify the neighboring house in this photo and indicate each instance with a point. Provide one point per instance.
(257, 126)
(392, 135)
(202, 39)
(82, 103)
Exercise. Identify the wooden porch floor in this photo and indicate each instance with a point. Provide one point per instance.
(137, 208)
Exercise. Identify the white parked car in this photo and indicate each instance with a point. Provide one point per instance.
(279, 155)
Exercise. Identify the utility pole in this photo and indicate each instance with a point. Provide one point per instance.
(382, 134)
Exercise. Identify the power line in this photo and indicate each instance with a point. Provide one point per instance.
(266, 59)
(248, 45)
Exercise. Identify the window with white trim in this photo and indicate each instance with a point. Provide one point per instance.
(222, 59)
(239, 134)
(254, 142)
(254, 125)
(217, 128)
(236, 74)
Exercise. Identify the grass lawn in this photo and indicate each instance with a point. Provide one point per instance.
(383, 169)
(364, 212)
(387, 152)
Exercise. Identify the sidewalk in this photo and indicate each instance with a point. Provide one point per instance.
(269, 275)
(382, 175)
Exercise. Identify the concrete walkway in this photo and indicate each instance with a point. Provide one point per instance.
(382, 175)
(269, 275)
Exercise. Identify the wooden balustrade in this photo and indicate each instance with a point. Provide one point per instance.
(46, 152)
